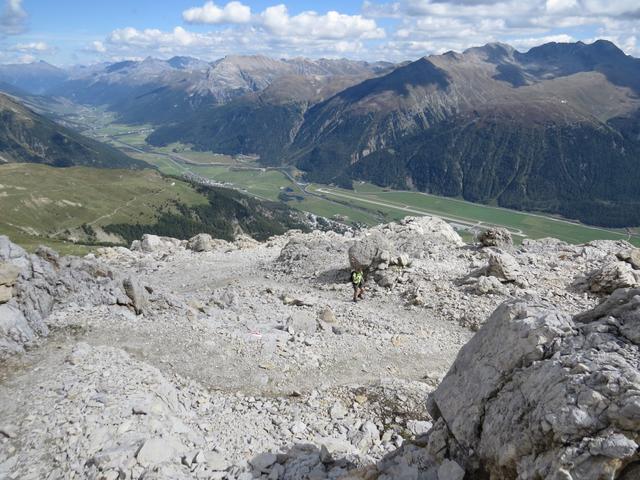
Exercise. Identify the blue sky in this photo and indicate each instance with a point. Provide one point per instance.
(73, 31)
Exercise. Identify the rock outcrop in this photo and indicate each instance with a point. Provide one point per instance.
(631, 256)
(38, 282)
(369, 252)
(612, 276)
(539, 394)
(496, 237)
(156, 244)
(249, 360)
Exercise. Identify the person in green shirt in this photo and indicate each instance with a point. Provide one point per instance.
(357, 281)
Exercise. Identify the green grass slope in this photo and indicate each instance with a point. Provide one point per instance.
(79, 206)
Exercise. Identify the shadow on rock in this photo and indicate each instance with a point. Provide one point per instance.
(333, 276)
(302, 461)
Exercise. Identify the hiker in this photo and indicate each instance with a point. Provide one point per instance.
(357, 281)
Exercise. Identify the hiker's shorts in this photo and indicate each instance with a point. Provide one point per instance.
(357, 286)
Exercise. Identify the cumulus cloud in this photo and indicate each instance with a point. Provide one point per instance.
(440, 25)
(98, 46)
(274, 31)
(411, 28)
(527, 43)
(210, 13)
(332, 25)
(31, 47)
(13, 19)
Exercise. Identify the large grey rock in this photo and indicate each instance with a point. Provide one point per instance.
(262, 462)
(9, 273)
(43, 280)
(487, 285)
(15, 331)
(200, 243)
(612, 276)
(631, 256)
(504, 267)
(414, 235)
(136, 293)
(9, 250)
(6, 293)
(496, 237)
(538, 394)
(365, 254)
(450, 470)
(156, 451)
(154, 243)
(313, 252)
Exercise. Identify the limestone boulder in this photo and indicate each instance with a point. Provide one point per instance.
(496, 237)
(200, 243)
(611, 276)
(366, 253)
(631, 256)
(537, 393)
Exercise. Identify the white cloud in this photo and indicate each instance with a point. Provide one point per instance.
(440, 25)
(210, 13)
(273, 31)
(332, 25)
(151, 37)
(556, 6)
(527, 43)
(13, 19)
(98, 46)
(412, 28)
(31, 47)
(26, 59)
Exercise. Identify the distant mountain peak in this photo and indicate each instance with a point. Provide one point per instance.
(494, 52)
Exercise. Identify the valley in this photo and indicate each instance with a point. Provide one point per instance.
(365, 205)
(486, 137)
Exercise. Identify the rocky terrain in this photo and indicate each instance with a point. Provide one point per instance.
(240, 360)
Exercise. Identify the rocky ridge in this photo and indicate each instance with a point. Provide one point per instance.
(239, 360)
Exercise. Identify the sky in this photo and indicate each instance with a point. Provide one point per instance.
(67, 32)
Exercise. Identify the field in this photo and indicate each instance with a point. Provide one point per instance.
(469, 215)
(38, 202)
(365, 205)
(369, 204)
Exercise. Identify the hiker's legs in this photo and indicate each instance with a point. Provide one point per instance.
(361, 292)
(355, 293)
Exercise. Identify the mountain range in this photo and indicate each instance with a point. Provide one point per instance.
(555, 129)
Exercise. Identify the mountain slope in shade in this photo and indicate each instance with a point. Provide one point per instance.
(28, 137)
(263, 123)
(554, 129)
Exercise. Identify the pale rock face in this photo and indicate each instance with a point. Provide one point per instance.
(496, 237)
(200, 243)
(504, 267)
(302, 322)
(487, 285)
(631, 256)
(136, 293)
(365, 254)
(36, 283)
(154, 244)
(612, 276)
(539, 394)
